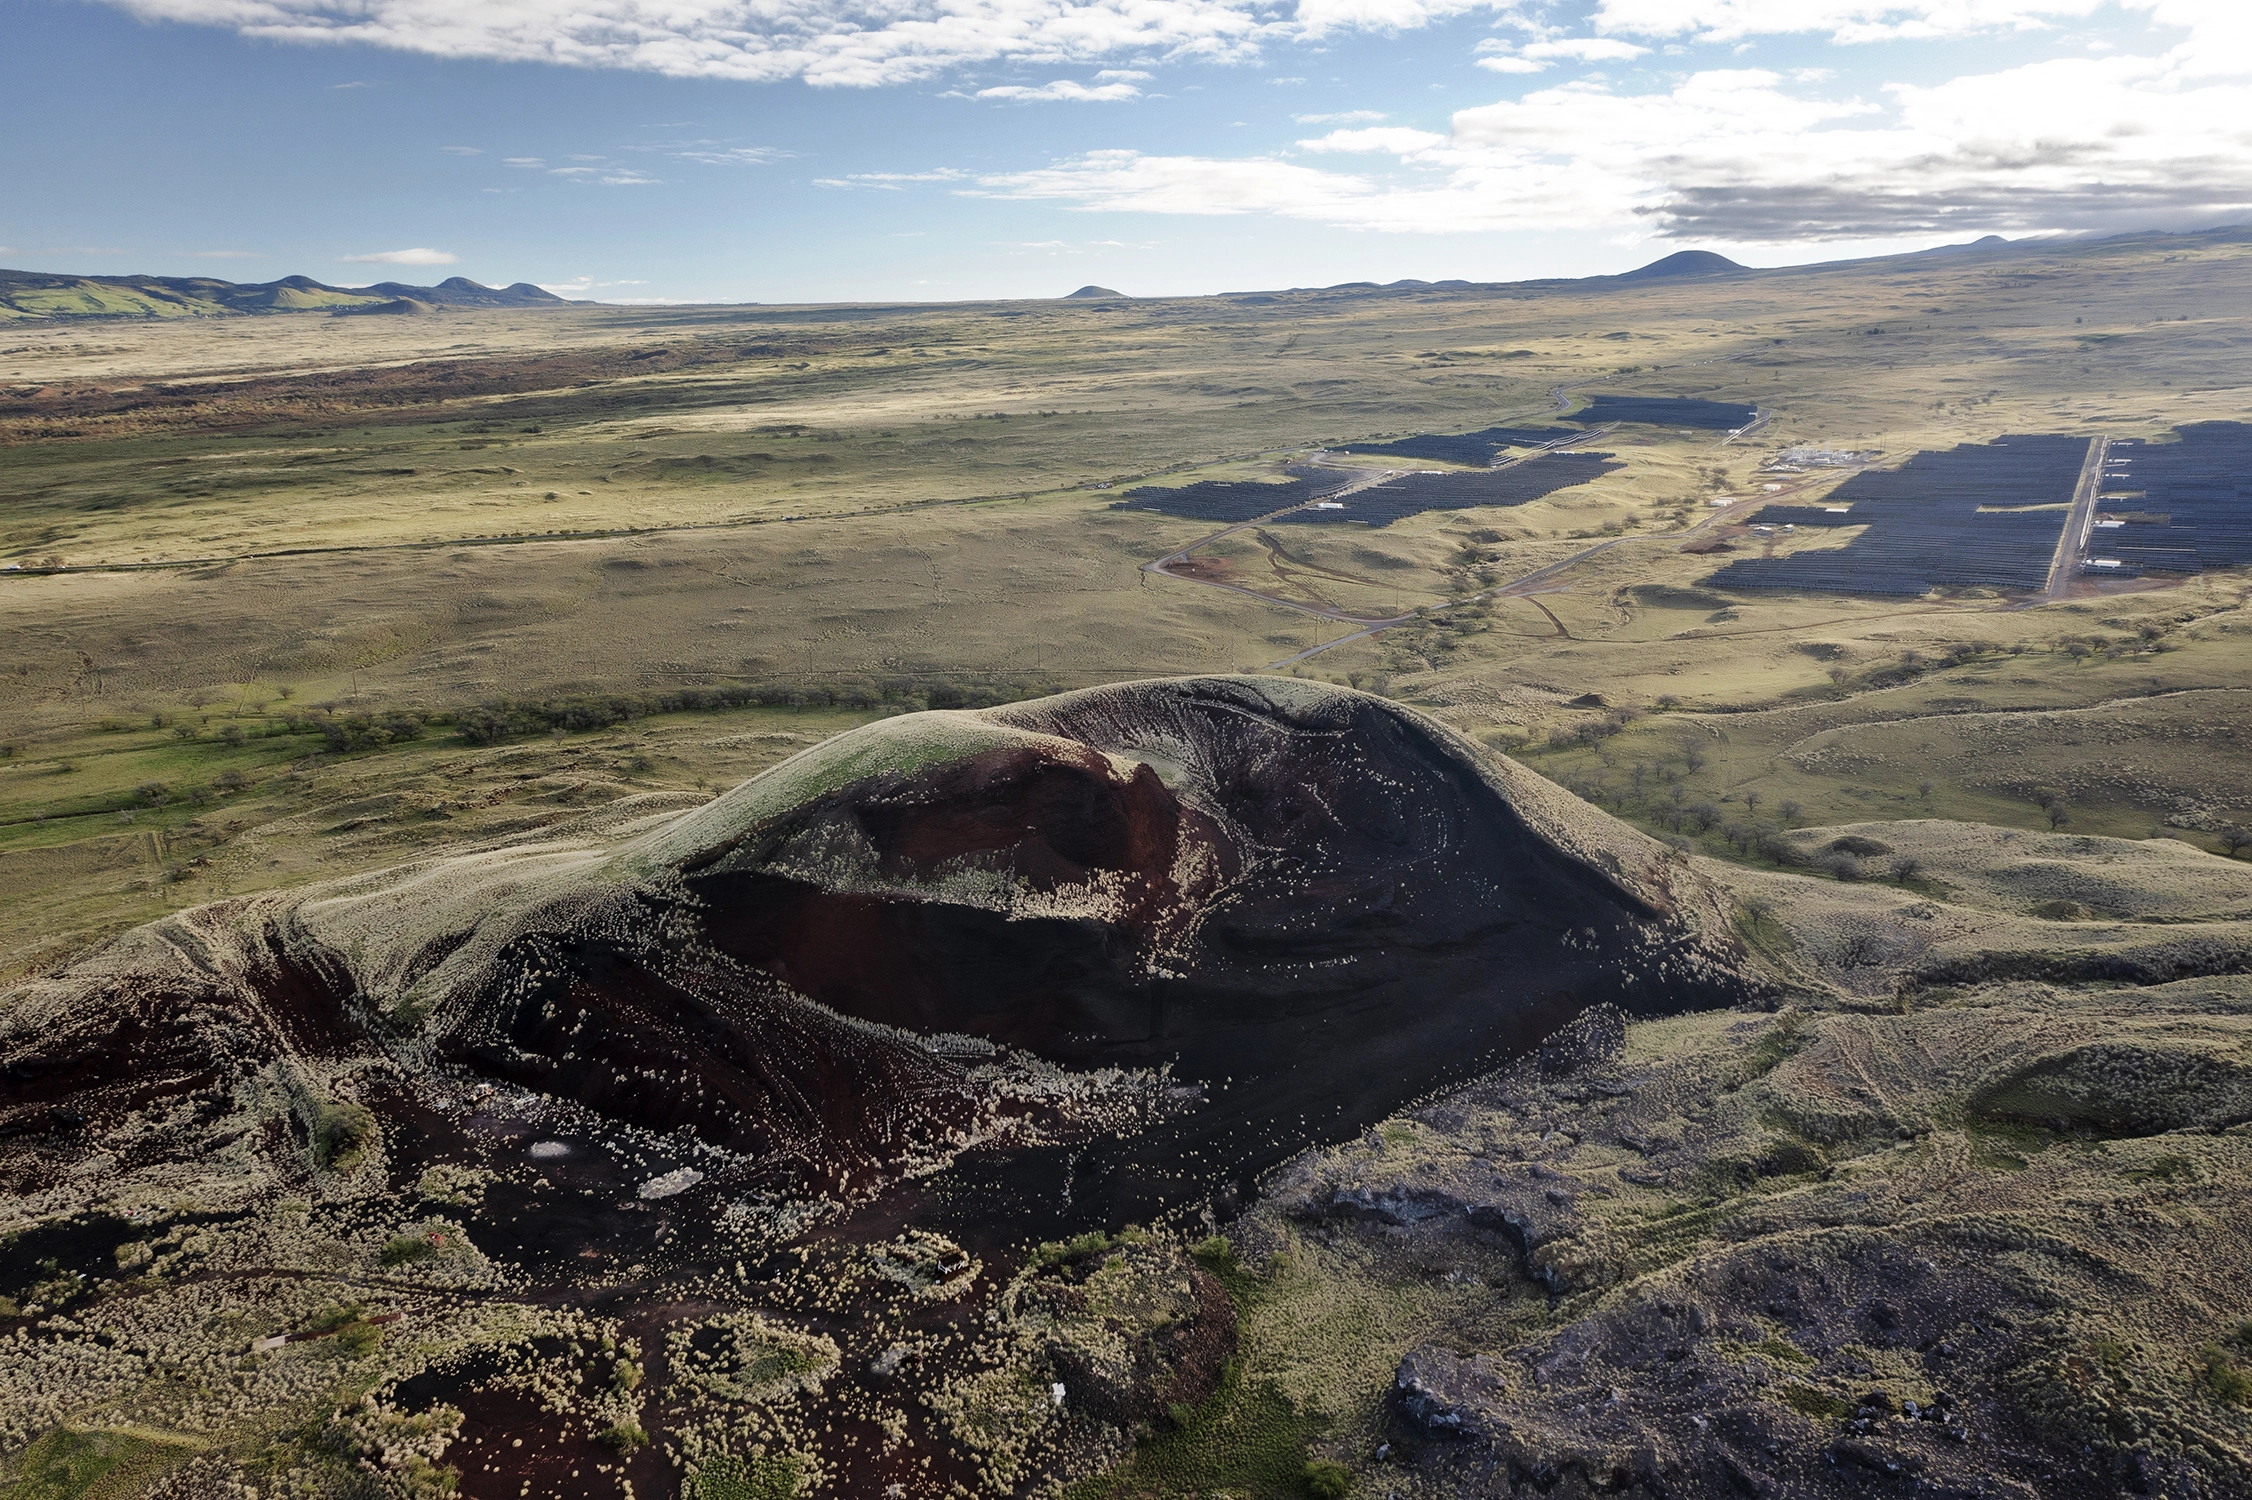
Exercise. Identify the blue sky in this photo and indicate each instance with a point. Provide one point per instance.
(802, 150)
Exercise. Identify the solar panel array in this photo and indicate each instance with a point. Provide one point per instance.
(1807, 515)
(1666, 411)
(1231, 500)
(1460, 447)
(1413, 494)
(1940, 520)
(2183, 507)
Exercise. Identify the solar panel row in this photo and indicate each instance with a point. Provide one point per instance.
(2178, 507)
(1807, 515)
(1666, 411)
(1412, 494)
(1948, 519)
(1231, 500)
(1461, 447)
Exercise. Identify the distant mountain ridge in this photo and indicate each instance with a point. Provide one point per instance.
(40, 294)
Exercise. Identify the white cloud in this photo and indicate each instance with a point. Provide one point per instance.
(1742, 157)
(523, 161)
(1131, 182)
(1391, 140)
(1534, 57)
(1345, 117)
(889, 182)
(733, 156)
(1319, 17)
(1583, 49)
(876, 42)
(826, 42)
(416, 257)
(463, 150)
(579, 286)
(1847, 20)
(2216, 24)
(1063, 89)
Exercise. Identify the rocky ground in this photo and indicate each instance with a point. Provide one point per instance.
(570, 1169)
(1911, 1233)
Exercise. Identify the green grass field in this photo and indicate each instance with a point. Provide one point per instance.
(424, 515)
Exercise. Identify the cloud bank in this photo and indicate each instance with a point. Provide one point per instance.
(1744, 156)
(1733, 155)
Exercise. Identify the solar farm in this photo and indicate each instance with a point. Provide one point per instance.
(2177, 507)
(1665, 411)
(1459, 447)
(1530, 477)
(1413, 494)
(1229, 501)
(1976, 515)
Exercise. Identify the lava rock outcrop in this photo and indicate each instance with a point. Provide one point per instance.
(1187, 925)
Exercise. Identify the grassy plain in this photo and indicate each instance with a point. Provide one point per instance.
(864, 505)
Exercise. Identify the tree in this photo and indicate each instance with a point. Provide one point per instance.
(1752, 799)
(2058, 817)
(1790, 811)
(1923, 789)
(2235, 838)
(1906, 868)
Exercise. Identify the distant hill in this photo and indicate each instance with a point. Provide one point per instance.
(1977, 246)
(1093, 291)
(39, 294)
(460, 291)
(1683, 263)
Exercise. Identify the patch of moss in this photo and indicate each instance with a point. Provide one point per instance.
(1820, 1405)
(67, 1464)
(1767, 938)
(2004, 1147)
(731, 1478)
(2222, 1377)
(1246, 1440)
(405, 1249)
(341, 1134)
(1776, 1042)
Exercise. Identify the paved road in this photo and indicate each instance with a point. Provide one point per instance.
(2072, 542)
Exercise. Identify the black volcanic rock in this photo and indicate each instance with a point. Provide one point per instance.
(1185, 925)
